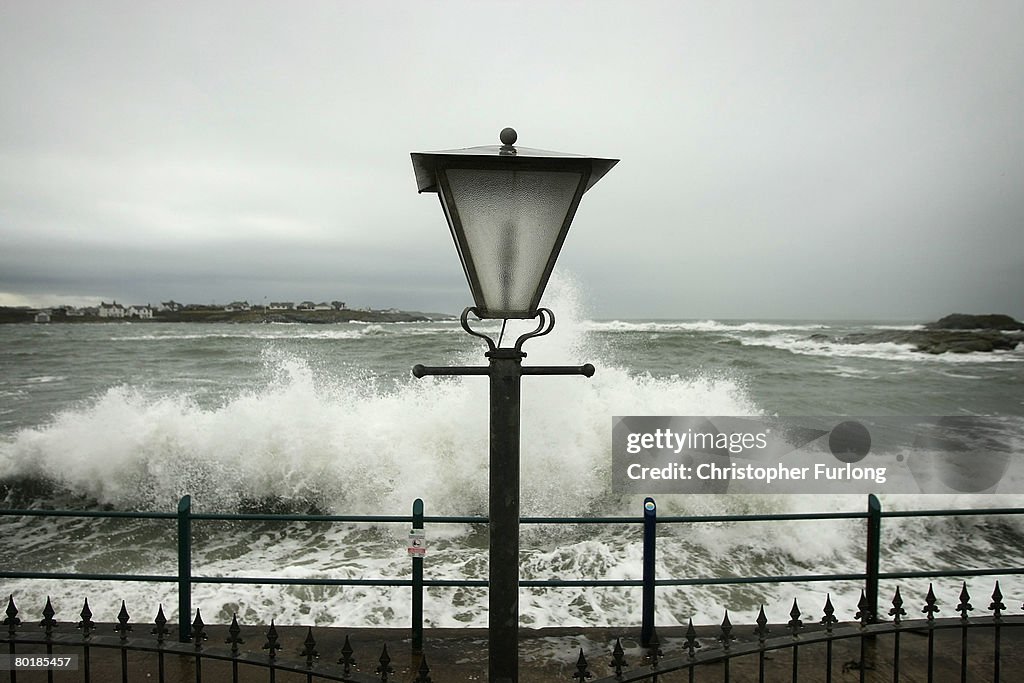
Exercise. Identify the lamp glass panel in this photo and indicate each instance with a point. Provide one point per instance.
(511, 221)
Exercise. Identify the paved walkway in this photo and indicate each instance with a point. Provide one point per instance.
(549, 655)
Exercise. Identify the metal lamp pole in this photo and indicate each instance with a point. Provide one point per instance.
(505, 371)
(509, 209)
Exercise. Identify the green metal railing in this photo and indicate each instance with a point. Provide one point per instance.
(649, 520)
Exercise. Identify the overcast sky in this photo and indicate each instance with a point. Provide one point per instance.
(778, 159)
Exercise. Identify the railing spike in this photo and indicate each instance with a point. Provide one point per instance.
(346, 657)
(930, 604)
(863, 615)
(86, 624)
(897, 612)
(160, 629)
(198, 631)
(48, 623)
(385, 665)
(86, 613)
(965, 602)
(309, 648)
(829, 620)
(12, 619)
(234, 633)
(582, 672)
(654, 652)
(423, 673)
(123, 627)
(997, 605)
(271, 645)
(618, 657)
(726, 637)
(795, 623)
(762, 626)
(691, 639)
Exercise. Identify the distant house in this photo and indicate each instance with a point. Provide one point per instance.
(238, 306)
(323, 306)
(306, 306)
(42, 317)
(338, 305)
(282, 305)
(140, 312)
(171, 306)
(112, 310)
(72, 312)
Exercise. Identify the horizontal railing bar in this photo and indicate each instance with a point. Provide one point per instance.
(272, 581)
(1009, 571)
(781, 517)
(441, 519)
(455, 520)
(88, 513)
(270, 517)
(74, 576)
(953, 513)
(258, 580)
(526, 583)
(467, 583)
(578, 583)
(729, 580)
(581, 520)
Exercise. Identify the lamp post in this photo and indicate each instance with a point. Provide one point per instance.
(509, 209)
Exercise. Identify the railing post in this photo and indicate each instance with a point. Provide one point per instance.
(647, 623)
(184, 567)
(874, 550)
(417, 584)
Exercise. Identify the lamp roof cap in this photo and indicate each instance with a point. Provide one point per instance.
(425, 163)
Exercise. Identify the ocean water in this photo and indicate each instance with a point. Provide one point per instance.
(328, 418)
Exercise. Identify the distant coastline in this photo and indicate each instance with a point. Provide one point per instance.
(217, 314)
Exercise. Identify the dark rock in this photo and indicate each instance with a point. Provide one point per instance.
(933, 341)
(965, 342)
(962, 321)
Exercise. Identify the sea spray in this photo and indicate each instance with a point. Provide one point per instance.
(308, 438)
(298, 418)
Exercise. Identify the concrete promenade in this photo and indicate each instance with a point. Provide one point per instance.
(549, 655)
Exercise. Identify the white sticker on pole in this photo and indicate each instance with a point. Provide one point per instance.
(417, 542)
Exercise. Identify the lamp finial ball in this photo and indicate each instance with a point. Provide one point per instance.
(508, 136)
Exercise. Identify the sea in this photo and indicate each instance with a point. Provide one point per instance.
(296, 418)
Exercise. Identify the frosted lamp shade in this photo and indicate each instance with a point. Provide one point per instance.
(508, 226)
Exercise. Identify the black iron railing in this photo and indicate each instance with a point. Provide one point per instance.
(975, 645)
(862, 641)
(871, 576)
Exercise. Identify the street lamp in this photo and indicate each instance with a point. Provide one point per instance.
(509, 209)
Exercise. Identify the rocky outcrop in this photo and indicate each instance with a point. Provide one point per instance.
(962, 321)
(953, 334)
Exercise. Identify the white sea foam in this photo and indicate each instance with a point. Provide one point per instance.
(879, 351)
(897, 327)
(352, 330)
(346, 445)
(697, 326)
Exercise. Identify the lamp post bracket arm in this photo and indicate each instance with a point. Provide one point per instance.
(585, 370)
(424, 370)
